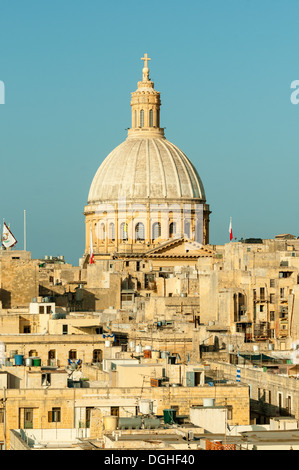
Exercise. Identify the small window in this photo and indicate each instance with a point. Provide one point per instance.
(114, 410)
(172, 229)
(64, 329)
(151, 118)
(73, 354)
(229, 412)
(272, 316)
(97, 355)
(187, 229)
(156, 230)
(54, 416)
(139, 231)
(46, 380)
(111, 232)
(124, 230)
(142, 118)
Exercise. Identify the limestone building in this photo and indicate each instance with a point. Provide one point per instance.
(146, 191)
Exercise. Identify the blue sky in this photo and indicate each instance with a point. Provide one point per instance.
(224, 70)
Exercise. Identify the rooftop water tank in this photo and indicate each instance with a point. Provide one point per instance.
(19, 359)
(146, 407)
(152, 423)
(110, 423)
(130, 423)
(208, 402)
(169, 416)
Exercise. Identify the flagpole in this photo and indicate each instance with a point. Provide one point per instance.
(25, 238)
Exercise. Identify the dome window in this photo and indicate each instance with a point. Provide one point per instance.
(111, 232)
(172, 229)
(142, 118)
(187, 229)
(151, 118)
(139, 231)
(124, 231)
(156, 230)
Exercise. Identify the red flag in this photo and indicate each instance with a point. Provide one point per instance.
(230, 230)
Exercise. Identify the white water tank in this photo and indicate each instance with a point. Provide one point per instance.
(146, 407)
(208, 402)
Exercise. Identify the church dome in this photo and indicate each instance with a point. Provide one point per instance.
(146, 168)
(146, 191)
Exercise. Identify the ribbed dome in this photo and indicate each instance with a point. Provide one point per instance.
(146, 168)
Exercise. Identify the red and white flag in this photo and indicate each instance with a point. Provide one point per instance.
(230, 230)
(8, 240)
(91, 258)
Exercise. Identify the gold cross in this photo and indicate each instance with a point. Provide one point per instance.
(145, 58)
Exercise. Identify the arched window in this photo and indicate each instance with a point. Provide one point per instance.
(102, 232)
(142, 118)
(151, 118)
(172, 229)
(187, 229)
(139, 231)
(111, 232)
(156, 230)
(124, 231)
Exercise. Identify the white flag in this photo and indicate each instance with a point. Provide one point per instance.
(8, 240)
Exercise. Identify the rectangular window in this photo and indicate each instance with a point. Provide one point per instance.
(64, 329)
(289, 404)
(54, 416)
(46, 379)
(229, 412)
(272, 316)
(114, 410)
(73, 354)
(279, 400)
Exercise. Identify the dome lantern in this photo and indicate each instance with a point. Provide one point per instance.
(145, 104)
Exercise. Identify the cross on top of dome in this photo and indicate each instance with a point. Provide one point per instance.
(145, 69)
(145, 58)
